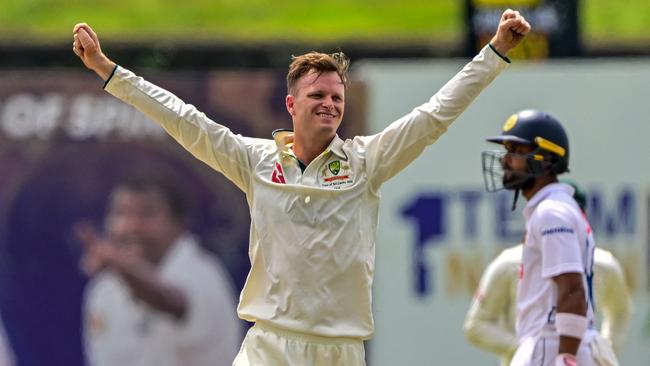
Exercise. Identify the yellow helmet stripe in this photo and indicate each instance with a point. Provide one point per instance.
(550, 146)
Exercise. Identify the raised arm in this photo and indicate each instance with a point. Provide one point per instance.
(208, 141)
(86, 46)
(511, 31)
(401, 142)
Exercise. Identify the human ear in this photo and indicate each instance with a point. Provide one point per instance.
(290, 102)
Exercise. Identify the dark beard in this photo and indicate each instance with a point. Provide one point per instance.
(517, 180)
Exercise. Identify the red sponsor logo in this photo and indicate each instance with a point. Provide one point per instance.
(340, 177)
(278, 174)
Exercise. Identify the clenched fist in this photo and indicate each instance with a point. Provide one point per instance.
(86, 46)
(512, 29)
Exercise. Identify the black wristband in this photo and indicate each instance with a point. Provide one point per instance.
(110, 77)
(504, 58)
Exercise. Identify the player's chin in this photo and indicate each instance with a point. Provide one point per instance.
(328, 129)
(514, 180)
(510, 180)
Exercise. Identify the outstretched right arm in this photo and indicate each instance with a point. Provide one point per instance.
(210, 142)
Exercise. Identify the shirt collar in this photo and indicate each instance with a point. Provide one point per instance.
(336, 146)
(543, 194)
(284, 140)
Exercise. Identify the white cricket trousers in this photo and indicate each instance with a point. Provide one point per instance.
(265, 345)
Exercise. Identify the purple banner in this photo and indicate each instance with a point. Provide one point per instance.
(64, 143)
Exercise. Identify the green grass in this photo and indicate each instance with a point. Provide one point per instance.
(611, 21)
(253, 20)
(435, 21)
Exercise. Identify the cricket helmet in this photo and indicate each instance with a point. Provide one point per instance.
(540, 130)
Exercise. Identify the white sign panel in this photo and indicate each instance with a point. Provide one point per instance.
(439, 228)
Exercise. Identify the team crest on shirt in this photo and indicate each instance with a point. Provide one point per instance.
(278, 174)
(335, 167)
(335, 174)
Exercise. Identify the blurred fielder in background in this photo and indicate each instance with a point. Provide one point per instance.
(156, 298)
(490, 321)
(313, 197)
(555, 320)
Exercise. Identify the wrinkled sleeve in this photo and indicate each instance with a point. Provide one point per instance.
(614, 301)
(391, 150)
(493, 299)
(561, 251)
(207, 140)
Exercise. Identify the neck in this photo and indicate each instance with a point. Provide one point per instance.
(540, 183)
(307, 150)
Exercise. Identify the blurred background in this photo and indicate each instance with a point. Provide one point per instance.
(64, 142)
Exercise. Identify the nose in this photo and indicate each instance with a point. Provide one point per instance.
(328, 103)
(506, 159)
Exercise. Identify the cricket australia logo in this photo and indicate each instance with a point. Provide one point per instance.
(335, 167)
(335, 174)
(278, 174)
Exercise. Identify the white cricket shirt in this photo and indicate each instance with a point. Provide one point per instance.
(558, 240)
(312, 236)
(490, 322)
(121, 330)
(613, 299)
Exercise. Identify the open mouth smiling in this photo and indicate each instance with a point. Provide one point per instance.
(326, 115)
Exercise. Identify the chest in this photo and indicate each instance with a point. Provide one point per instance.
(328, 171)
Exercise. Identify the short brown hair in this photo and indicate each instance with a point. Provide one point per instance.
(319, 62)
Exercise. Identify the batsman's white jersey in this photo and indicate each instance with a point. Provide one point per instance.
(558, 240)
(490, 321)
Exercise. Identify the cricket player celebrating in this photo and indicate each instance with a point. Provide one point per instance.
(313, 197)
(554, 318)
(490, 321)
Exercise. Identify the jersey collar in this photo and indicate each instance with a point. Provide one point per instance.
(543, 194)
(284, 140)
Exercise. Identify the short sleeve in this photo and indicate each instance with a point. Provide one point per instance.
(559, 240)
